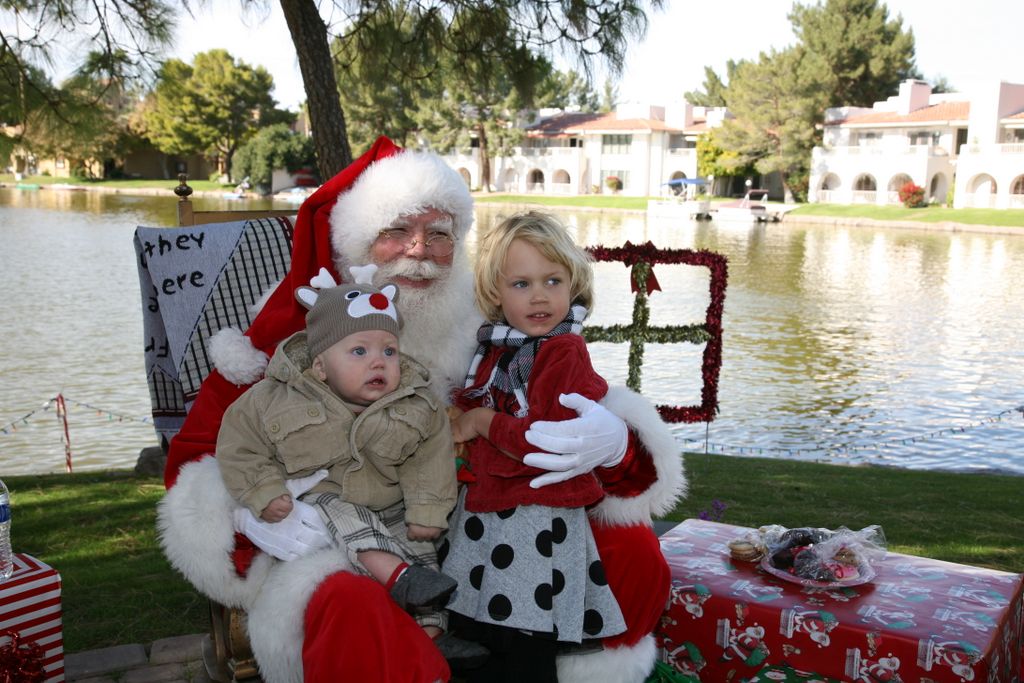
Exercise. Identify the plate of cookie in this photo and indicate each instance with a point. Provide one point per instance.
(815, 557)
(822, 558)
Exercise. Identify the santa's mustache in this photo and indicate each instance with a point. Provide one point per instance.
(412, 269)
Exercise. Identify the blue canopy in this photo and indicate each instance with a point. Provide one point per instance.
(686, 181)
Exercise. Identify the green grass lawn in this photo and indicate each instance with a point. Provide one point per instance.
(930, 214)
(132, 183)
(97, 530)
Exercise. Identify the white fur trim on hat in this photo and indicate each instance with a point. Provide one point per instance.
(662, 496)
(236, 358)
(399, 185)
(627, 664)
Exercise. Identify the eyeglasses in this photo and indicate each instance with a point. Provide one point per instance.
(438, 244)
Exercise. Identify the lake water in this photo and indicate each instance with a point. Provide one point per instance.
(842, 344)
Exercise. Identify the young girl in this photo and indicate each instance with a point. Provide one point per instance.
(530, 578)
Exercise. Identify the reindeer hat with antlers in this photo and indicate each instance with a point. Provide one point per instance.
(336, 311)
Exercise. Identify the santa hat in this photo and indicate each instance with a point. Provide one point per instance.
(342, 219)
(391, 188)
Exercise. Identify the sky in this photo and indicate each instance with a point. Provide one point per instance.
(964, 42)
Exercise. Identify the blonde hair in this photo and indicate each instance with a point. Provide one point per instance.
(545, 233)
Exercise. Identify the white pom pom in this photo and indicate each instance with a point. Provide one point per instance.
(236, 358)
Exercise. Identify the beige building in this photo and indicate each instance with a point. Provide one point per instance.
(972, 141)
(574, 153)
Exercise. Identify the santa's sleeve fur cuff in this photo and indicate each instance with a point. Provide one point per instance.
(236, 358)
(661, 497)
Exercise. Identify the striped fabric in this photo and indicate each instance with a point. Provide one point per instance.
(30, 606)
(261, 258)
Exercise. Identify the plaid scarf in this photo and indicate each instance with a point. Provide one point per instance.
(512, 371)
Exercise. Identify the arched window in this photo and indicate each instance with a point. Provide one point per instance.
(535, 181)
(865, 183)
(511, 180)
(898, 181)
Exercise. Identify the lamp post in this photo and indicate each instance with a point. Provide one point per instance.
(711, 184)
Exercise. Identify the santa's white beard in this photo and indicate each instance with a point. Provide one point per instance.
(440, 321)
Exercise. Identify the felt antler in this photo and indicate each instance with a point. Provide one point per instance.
(363, 275)
(323, 279)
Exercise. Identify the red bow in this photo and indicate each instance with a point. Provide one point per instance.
(650, 282)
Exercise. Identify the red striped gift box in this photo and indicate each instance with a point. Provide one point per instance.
(30, 606)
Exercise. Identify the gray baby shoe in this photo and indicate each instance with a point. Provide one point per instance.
(420, 586)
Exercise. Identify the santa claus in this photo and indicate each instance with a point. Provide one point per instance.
(309, 619)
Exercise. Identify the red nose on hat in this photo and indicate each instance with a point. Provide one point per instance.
(379, 301)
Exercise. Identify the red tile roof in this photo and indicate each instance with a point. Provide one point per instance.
(557, 125)
(582, 123)
(944, 111)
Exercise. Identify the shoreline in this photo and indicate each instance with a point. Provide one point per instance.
(103, 189)
(940, 226)
(788, 217)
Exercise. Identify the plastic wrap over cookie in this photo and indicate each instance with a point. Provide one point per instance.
(823, 558)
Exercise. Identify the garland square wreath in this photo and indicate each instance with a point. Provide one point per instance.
(641, 259)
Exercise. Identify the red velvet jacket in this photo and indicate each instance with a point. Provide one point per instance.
(562, 366)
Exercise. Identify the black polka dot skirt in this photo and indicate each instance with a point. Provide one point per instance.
(532, 567)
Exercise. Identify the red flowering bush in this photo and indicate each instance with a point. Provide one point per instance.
(912, 195)
(613, 183)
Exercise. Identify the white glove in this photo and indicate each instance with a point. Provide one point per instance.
(596, 437)
(298, 534)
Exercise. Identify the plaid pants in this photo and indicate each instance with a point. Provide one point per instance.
(357, 528)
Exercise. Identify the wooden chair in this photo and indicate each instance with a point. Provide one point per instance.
(187, 215)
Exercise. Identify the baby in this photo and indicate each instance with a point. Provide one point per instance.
(339, 398)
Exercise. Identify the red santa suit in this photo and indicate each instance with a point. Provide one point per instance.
(310, 619)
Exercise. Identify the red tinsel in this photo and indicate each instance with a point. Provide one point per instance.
(631, 255)
(20, 662)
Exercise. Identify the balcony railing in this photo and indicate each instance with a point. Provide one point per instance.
(549, 151)
(864, 196)
(885, 150)
(1005, 148)
(981, 200)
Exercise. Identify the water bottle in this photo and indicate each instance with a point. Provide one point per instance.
(6, 556)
